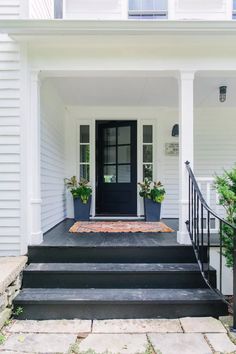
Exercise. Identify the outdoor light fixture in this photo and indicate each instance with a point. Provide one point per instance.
(222, 95)
(175, 130)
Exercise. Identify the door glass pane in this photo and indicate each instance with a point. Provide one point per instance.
(147, 153)
(124, 154)
(123, 135)
(124, 174)
(110, 136)
(110, 154)
(109, 174)
(84, 153)
(84, 134)
(147, 134)
(84, 172)
(147, 171)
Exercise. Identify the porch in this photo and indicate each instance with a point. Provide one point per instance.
(72, 113)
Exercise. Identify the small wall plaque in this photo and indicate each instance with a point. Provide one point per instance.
(172, 149)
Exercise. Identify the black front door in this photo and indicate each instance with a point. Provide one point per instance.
(116, 168)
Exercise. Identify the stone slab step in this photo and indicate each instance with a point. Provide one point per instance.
(118, 303)
(118, 275)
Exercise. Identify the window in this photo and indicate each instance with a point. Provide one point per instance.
(148, 9)
(58, 8)
(234, 9)
(117, 155)
(84, 152)
(147, 147)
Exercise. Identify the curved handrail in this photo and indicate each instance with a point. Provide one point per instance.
(187, 163)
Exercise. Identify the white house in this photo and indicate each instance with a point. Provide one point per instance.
(144, 64)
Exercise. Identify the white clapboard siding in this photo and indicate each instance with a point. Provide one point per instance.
(52, 157)
(10, 158)
(41, 9)
(90, 9)
(9, 9)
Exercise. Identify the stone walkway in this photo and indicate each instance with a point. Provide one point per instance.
(153, 336)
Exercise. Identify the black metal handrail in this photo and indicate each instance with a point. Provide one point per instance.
(200, 214)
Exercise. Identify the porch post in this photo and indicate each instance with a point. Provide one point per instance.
(35, 232)
(186, 79)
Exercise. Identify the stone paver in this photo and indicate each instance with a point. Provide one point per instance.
(179, 343)
(52, 326)
(202, 325)
(39, 343)
(115, 343)
(10, 267)
(221, 342)
(4, 316)
(136, 326)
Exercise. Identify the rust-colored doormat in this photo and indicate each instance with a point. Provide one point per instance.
(119, 226)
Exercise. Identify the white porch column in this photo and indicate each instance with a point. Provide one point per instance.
(36, 235)
(186, 80)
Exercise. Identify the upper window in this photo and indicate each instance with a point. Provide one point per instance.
(234, 9)
(148, 9)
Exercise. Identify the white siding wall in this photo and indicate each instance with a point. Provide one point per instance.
(200, 10)
(96, 10)
(41, 9)
(52, 157)
(9, 9)
(10, 157)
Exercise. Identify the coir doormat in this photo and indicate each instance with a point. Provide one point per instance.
(119, 226)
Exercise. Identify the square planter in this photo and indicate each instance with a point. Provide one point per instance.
(152, 210)
(81, 210)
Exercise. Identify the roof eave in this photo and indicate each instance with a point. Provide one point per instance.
(32, 28)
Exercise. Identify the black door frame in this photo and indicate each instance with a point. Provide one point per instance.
(98, 161)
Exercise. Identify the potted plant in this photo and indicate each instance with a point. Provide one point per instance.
(81, 192)
(153, 194)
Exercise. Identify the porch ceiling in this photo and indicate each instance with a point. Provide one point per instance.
(127, 90)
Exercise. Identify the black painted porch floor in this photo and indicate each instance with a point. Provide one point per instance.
(60, 236)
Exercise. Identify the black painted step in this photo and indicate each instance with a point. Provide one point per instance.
(114, 275)
(44, 304)
(109, 254)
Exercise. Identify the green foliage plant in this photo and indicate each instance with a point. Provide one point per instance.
(79, 189)
(152, 190)
(225, 185)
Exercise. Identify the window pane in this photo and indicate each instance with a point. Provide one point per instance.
(124, 135)
(110, 154)
(84, 133)
(234, 5)
(84, 153)
(147, 133)
(110, 136)
(148, 5)
(109, 174)
(147, 171)
(124, 154)
(84, 172)
(124, 174)
(147, 153)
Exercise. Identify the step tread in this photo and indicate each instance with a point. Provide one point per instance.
(132, 296)
(112, 267)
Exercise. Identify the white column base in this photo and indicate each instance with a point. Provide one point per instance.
(183, 238)
(36, 238)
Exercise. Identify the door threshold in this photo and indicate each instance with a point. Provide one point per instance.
(116, 218)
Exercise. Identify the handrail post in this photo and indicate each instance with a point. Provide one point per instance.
(233, 329)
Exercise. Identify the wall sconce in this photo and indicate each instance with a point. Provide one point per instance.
(222, 93)
(175, 130)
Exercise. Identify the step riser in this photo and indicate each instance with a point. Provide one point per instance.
(171, 254)
(176, 280)
(118, 311)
